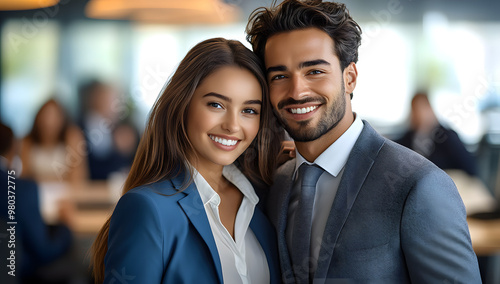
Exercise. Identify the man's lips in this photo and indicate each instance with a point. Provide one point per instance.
(301, 112)
(301, 109)
(306, 102)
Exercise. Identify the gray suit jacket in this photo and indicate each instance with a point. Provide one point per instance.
(396, 218)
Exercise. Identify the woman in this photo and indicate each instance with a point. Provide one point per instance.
(188, 214)
(54, 150)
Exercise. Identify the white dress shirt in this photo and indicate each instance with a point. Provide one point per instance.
(242, 258)
(332, 160)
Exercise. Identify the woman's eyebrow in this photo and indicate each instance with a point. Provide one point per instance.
(222, 97)
(227, 99)
(253, 102)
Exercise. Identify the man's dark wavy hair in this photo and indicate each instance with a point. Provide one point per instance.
(330, 17)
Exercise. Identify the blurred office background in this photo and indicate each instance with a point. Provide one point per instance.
(110, 59)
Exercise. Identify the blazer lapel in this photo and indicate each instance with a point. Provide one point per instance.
(195, 211)
(356, 170)
(277, 207)
(260, 227)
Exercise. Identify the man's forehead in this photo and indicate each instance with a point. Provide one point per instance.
(296, 47)
(300, 35)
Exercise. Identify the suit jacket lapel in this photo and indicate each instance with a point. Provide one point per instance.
(195, 211)
(277, 208)
(259, 225)
(356, 170)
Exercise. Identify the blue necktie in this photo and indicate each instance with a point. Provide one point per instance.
(301, 232)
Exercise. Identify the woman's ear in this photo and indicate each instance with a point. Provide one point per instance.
(350, 77)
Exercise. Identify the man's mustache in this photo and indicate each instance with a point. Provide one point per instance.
(291, 101)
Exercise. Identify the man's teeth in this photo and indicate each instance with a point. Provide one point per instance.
(303, 110)
(223, 141)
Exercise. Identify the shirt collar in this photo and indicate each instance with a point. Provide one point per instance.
(232, 174)
(334, 158)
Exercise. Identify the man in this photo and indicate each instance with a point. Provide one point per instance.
(380, 212)
(437, 143)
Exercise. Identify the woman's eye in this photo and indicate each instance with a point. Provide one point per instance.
(250, 111)
(215, 105)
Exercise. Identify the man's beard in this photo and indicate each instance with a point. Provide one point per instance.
(307, 132)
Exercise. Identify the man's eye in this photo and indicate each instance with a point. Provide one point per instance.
(215, 105)
(277, 77)
(315, 72)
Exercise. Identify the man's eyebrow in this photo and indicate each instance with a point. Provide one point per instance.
(313, 63)
(222, 97)
(276, 68)
(301, 65)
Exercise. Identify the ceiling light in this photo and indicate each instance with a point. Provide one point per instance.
(7, 5)
(164, 11)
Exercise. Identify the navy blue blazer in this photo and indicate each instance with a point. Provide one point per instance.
(396, 218)
(155, 238)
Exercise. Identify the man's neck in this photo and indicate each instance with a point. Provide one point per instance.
(312, 149)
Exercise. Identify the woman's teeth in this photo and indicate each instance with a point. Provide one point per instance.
(223, 141)
(303, 110)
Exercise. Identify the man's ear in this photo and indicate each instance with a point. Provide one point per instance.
(350, 77)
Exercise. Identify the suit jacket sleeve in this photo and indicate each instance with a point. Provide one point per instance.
(435, 236)
(135, 242)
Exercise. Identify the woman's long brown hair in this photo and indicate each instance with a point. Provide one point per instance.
(164, 147)
(36, 134)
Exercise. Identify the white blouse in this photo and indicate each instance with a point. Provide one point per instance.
(242, 259)
(49, 164)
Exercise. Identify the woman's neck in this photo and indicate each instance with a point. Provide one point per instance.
(48, 142)
(213, 175)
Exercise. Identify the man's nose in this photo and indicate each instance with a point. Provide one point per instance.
(298, 88)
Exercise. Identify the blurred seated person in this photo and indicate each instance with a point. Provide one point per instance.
(38, 246)
(102, 122)
(428, 137)
(54, 150)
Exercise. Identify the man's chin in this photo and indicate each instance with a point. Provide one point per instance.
(309, 132)
(304, 134)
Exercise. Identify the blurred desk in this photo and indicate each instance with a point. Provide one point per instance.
(485, 233)
(92, 203)
(473, 192)
(485, 236)
(90, 221)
